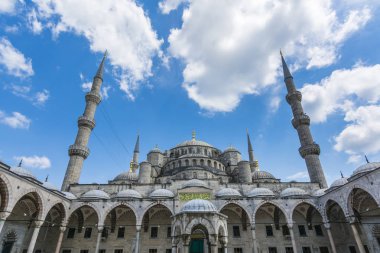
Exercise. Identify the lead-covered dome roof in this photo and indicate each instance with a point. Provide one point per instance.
(319, 192)
(69, 195)
(23, 172)
(260, 174)
(339, 182)
(193, 142)
(161, 193)
(260, 192)
(198, 206)
(195, 183)
(49, 186)
(228, 193)
(293, 192)
(366, 168)
(95, 194)
(129, 194)
(126, 176)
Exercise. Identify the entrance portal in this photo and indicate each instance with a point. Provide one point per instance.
(198, 239)
(196, 246)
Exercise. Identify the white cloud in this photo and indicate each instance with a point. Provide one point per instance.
(354, 93)
(14, 61)
(11, 29)
(167, 6)
(120, 26)
(7, 6)
(86, 86)
(16, 120)
(33, 23)
(25, 91)
(274, 103)
(36, 162)
(228, 51)
(298, 176)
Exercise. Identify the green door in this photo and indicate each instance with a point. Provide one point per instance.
(196, 246)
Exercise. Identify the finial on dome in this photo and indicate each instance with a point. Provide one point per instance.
(366, 158)
(47, 178)
(193, 134)
(20, 163)
(341, 174)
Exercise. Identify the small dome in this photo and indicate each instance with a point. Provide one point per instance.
(293, 192)
(260, 192)
(366, 168)
(23, 172)
(319, 192)
(69, 195)
(259, 174)
(95, 194)
(231, 149)
(228, 193)
(195, 183)
(339, 182)
(126, 176)
(129, 194)
(198, 206)
(155, 150)
(161, 193)
(49, 186)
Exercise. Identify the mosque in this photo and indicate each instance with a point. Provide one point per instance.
(192, 198)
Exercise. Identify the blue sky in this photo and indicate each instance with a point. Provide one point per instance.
(177, 65)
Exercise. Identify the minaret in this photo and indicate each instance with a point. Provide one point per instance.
(135, 160)
(254, 164)
(79, 150)
(309, 150)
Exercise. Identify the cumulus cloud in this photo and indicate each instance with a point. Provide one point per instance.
(36, 162)
(354, 93)
(14, 61)
(16, 120)
(169, 5)
(7, 6)
(231, 48)
(121, 27)
(25, 91)
(33, 23)
(299, 176)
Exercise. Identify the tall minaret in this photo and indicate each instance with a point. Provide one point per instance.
(79, 150)
(309, 150)
(254, 164)
(135, 160)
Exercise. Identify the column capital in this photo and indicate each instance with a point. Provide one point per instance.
(138, 228)
(62, 229)
(253, 226)
(290, 225)
(4, 215)
(100, 228)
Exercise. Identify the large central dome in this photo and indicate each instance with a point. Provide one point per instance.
(193, 142)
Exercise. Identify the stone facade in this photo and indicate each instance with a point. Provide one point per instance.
(192, 198)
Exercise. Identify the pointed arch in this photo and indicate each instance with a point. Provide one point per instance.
(275, 204)
(5, 193)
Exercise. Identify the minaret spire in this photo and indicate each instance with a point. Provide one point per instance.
(309, 150)
(79, 151)
(135, 160)
(252, 162)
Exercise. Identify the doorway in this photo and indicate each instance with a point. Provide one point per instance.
(196, 246)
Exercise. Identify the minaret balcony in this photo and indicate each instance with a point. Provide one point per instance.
(78, 150)
(86, 121)
(302, 119)
(294, 96)
(93, 97)
(311, 149)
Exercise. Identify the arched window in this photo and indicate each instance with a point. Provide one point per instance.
(206, 175)
(208, 163)
(179, 163)
(187, 162)
(194, 162)
(215, 166)
(202, 162)
(195, 175)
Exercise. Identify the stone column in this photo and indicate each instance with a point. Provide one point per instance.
(3, 218)
(294, 245)
(331, 239)
(214, 243)
(137, 247)
(33, 240)
(254, 241)
(99, 236)
(186, 242)
(62, 230)
(357, 238)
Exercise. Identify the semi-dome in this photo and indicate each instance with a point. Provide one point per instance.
(69, 195)
(95, 194)
(198, 206)
(49, 186)
(228, 193)
(23, 172)
(260, 192)
(339, 182)
(366, 168)
(319, 192)
(129, 194)
(293, 192)
(195, 183)
(161, 193)
(260, 174)
(126, 176)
